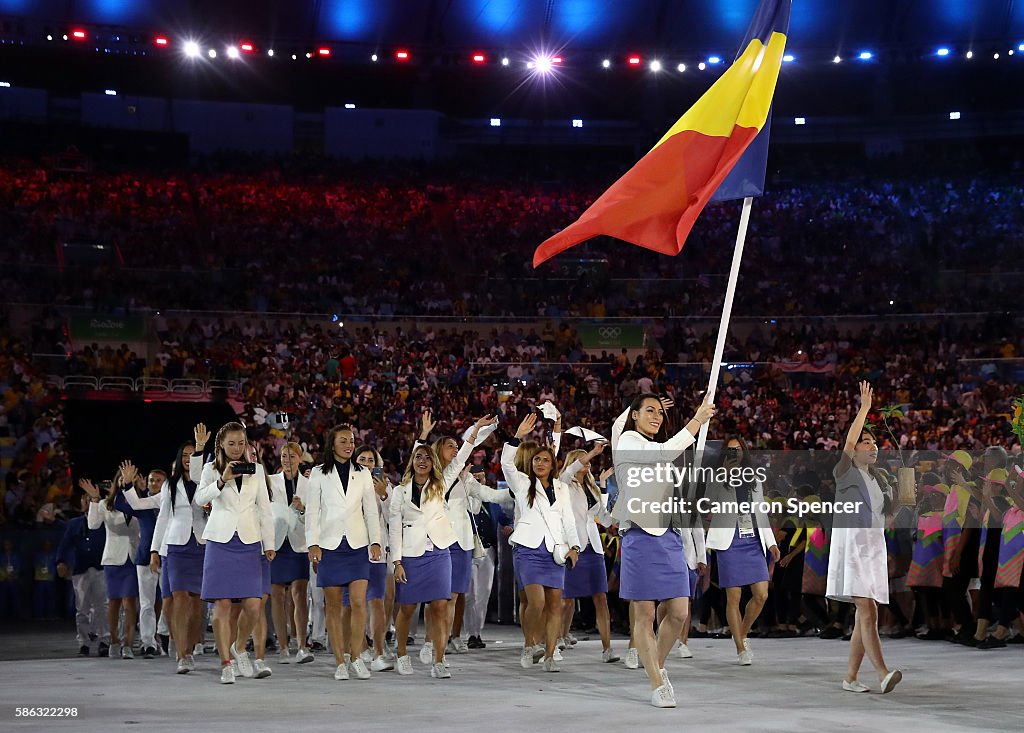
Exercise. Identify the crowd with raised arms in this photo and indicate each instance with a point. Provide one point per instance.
(232, 524)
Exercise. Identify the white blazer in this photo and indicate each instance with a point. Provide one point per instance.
(723, 525)
(383, 508)
(586, 517)
(246, 512)
(288, 523)
(632, 452)
(458, 507)
(693, 547)
(411, 527)
(122, 537)
(551, 524)
(334, 514)
(176, 524)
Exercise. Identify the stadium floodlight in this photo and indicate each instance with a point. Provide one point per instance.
(191, 49)
(212, 53)
(788, 58)
(495, 122)
(865, 55)
(954, 115)
(233, 52)
(800, 121)
(714, 59)
(655, 65)
(681, 68)
(942, 51)
(606, 64)
(837, 59)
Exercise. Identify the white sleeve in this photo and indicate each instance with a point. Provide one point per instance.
(138, 503)
(313, 490)
(370, 514)
(453, 469)
(95, 516)
(166, 509)
(656, 452)
(618, 426)
(569, 472)
(395, 522)
(207, 490)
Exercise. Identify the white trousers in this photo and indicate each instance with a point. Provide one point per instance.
(481, 578)
(317, 619)
(148, 582)
(90, 606)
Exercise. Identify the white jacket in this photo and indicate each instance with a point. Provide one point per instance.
(122, 537)
(459, 503)
(288, 523)
(632, 452)
(411, 526)
(334, 513)
(246, 512)
(544, 522)
(586, 517)
(723, 525)
(176, 524)
(693, 547)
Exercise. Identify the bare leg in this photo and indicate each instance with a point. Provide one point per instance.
(335, 625)
(533, 620)
(259, 630)
(676, 610)
(867, 618)
(130, 610)
(378, 622)
(568, 611)
(300, 612)
(279, 612)
(458, 610)
(604, 619)
(403, 619)
(552, 620)
(643, 637)
(248, 620)
(357, 622)
(222, 628)
(113, 621)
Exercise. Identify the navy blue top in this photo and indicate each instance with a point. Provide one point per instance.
(81, 548)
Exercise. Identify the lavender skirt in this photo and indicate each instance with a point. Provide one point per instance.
(537, 566)
(588, 577)
(743, 563)
(122, 580)
(695, 591)
(342, 565)
(462, 566)
(429, 576)
(375, 588)
(184, 566)
(289, 565)
(653, 568)
(232, 570)
(165, 584)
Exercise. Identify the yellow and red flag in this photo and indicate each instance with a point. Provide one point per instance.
(655, 203)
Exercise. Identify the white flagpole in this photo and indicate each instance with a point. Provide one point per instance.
(723, 327)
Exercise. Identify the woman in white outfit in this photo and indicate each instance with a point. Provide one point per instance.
(589, 578)
(858, 561)
(545, 526)
(289, 573)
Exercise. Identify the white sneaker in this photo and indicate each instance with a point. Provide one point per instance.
(284, 657)
(427, 653)
(347, 658)
(571, 640)
(538, 653)
(633, 660)
(261, 668)
(304, 656)
(663, 697)
(526, 657)
(855, 686)
(380, 664)
(341, 672)
(684, 652)
(359, 667)
(183, 667)
(450, 647)
(191, 662)
(444, 661)
(126, 653)
(891, 680)
(746, 659)
(227, 675)
(609, 656)
(666, 681)
(366, 655)
(242, 658)
(440, 672)
(746, 644)
(557, 656)
(551, 665)
(404, 665)
(197, 650)
(460, 646)
(561, 643)
(234, 668)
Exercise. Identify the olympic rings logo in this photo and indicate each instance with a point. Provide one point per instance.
(609, 331)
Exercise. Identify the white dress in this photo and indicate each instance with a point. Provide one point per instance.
(858, 559)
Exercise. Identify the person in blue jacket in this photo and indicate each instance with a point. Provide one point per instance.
(79, 556)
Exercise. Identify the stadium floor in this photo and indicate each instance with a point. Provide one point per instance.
(793, 685)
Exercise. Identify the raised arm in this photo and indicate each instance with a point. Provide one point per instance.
(210, 485)
(856, 428)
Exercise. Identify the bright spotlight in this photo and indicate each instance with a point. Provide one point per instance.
(865, 55)
(954, 115)
(655, 65)
(970, 54)
(211, 53)
(270, 52)
(191, 49)
(373, 58)
(349, 105)
(543, 64)
(789, 57)
(505, 61)
(577, 123)
(110, 92)
(233, 52)
(942, 52)
(495, 122)
(837, 59)
(702, 66)
(800, 121)
(714, 60)
(995, 56)
(606, 64)
(681, 68)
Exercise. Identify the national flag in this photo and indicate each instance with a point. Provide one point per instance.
(656, 202)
